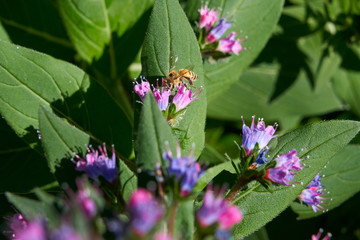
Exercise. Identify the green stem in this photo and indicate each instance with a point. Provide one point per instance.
(171, 221)
(241, 182)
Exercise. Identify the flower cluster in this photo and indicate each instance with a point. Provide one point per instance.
(210, 41)
(317, 236)
(171, 106)
(311, 195)
(96, 165)
(184, 169)
(217, 212)
(285, 168)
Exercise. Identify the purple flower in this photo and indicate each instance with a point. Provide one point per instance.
(257, 134)
(311, 195)
(35, 230)
(65, 232)
(185, 169)
(142, 88)
(216, 33)
(284, 171)
(162, 236)
(16, 224)
(229, 44)
(216, 209)
(145, 212)
(162, 96)
(184, 97)
(95, 164)
(317, 236)
(207, 18)
(87, 203)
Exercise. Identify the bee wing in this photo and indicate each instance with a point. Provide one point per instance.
(172, 60)
(190, 67)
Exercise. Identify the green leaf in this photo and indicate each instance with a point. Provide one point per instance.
(88, 26)
(3, 34)
(30, 79)
(28, 207)
(60, 139)
(128, 181)
(124, 14)
(246, 21)
(319, 141)
(37, 25)
(184, 221)
(342, 180)
(261, 234)
(252, 93)
(22, 168)
(170, 35)
(153, 132)
(347, 86)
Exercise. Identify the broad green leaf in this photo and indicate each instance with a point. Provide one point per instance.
(184, 221)
(246, 21)
(22, 168)
(319, 141)
(3, 34)
(347, 86)
(125, 13)
(252, 93)
(342, 180)
(210, 156)
(28, 207)
(261, 234)
(153, 132)
(60, 140)
(37, 25)
(170, 36)
(128, 180)
(30, 79)
(88, 26)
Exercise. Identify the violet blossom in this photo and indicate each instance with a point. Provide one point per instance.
(216, 209)
(97, 164)
(142, 88)
(145, 212)
(207, 17)
(217, 32)
(311, 195)
(185, 169)
(162, 96)
(318, 235)
(229, 44)
(184, 97)
(257, 134)
(284, 171)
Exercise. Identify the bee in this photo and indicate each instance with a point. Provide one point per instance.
(182, 77)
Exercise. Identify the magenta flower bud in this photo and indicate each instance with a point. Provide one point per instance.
(229, 44)
(284, 171)
(34, 230)
(162, 236)
(219, 30)
(142, 88)
(184, 97)
(83, 198)
(207, 17)
(257, 134)
(162, 96)
(95, 164)
(216, 209)
(185, 169)
(317, 236)
(145, 212)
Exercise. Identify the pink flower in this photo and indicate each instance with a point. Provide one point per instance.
(142, 88)
(184, 97)
(162, 236)
(257, 134)
(35, 230)
(311, 195)
(216, 209)
(317, 236)
(145, 212)
(84, 199)
(229, 44)
(207, 18)
(284, 171)
(162, 96)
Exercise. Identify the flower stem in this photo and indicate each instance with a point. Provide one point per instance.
(241, 182)
(171, 221)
